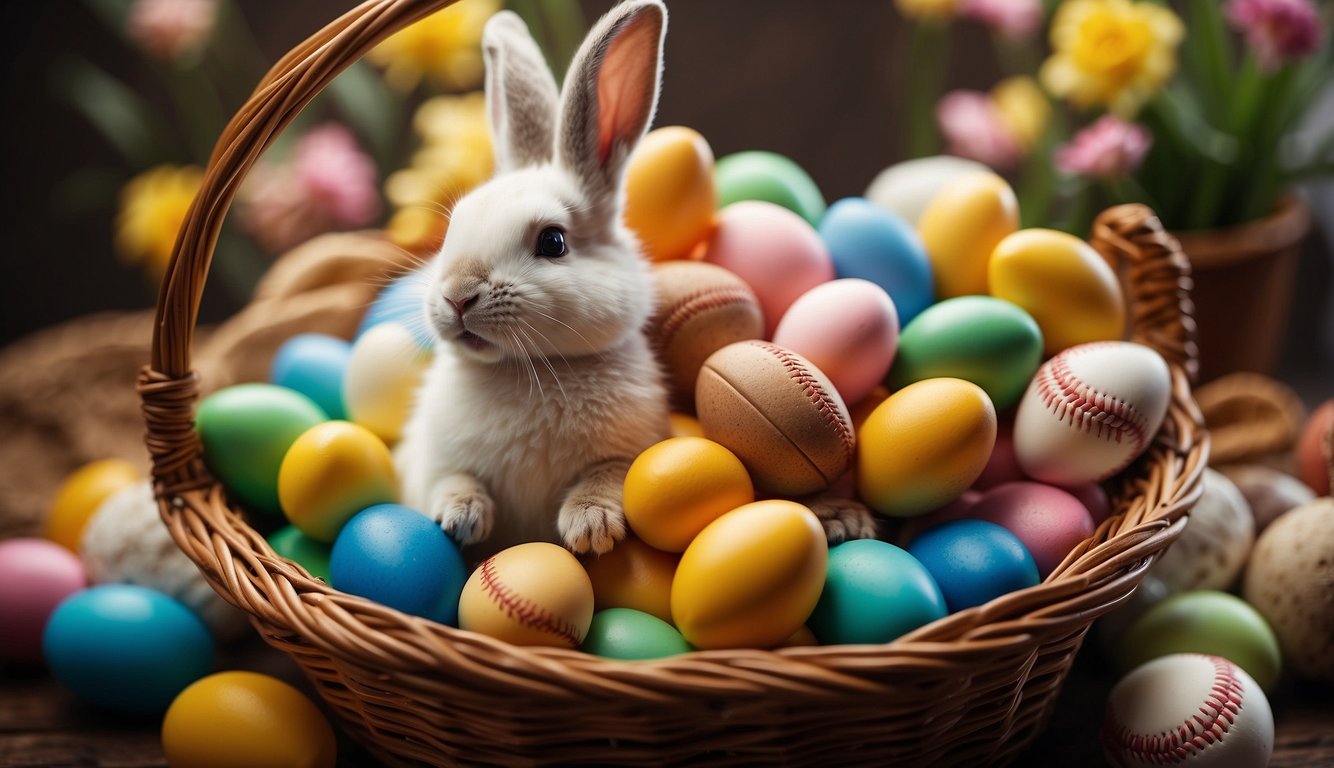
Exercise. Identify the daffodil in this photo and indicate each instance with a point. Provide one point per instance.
(444, 47)
(152, 207)
(927, 10)
(1022, 108)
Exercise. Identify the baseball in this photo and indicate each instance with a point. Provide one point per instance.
(1090, 411)
(531, 594)
(1188, 709)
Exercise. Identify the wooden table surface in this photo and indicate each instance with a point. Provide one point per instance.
(43, 725)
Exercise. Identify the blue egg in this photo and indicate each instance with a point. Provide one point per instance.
(873, 593)
(403, 301)
(126, 647)
(974, 561)
(398, 557)
(313, 364)
(869, 242)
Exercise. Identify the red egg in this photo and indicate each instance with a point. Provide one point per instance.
(1313, 457)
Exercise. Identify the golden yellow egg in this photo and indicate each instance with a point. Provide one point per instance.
(670, 198)
(81, 494)
(684, 425)
(530, 594)
(678, 486)
(333, 471)
(961, 227)
(634, 575)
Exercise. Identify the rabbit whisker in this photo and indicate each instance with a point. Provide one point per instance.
(531, 367)
(546, 360)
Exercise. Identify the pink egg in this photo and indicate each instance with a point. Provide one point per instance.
(774, 250)
(1048, 520)
(1003, 466)
(35, 576)
(1094, 498)
(848, 328)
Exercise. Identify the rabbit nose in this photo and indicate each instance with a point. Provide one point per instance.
(463, 305)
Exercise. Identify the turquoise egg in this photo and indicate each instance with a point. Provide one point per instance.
(246, 431)
(770, 177)
(403, 301)
(873, 593)
(296, 546)
(126, 648)
(985, 340)
(974, 562)
(624, 633)
(313, 364)
(868, 242)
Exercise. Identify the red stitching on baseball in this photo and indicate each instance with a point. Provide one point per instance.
(817, 394)
(1065, 394)
(1217, 714)
(525, 611)
(687, 307)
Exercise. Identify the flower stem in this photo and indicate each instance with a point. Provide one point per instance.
(925, 72)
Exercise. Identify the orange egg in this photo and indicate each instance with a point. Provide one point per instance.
(680, 485)
(684, 425)
(670, 197)
(633, 575)
(961, 226)
(80, 496)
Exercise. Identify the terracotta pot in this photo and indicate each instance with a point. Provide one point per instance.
(1243, 288)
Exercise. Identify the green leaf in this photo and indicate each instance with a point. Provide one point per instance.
(374, 110)
(111, 106)
(1209, 56)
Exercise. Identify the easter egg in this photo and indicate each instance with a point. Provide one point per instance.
(751, 578)
(1112, 626)
(1049, 521)
(1090, 411)
(35, 576)
(403, 301)
(907, 188)
(974, 562)
(246, 431)
(955, 510)
(530, 594)
(1003, 466)
(769, 177)
(333, 471)
(699, 309)
(1269, 492)
(684, 425)
(237, 718)
(1215, 623)
(627, 634)
(633, 575)
(1313, 458)
(314, 364)
(848, 329)
(868, 243)
(1212, 551)
(990, 342)
(1063, 283)
(384, 371)
(306, 552)
(125, 647)
(962, 226)
(873, 593)
(400, 558)
(774, 250)
(669, 194)
(676, 487)
(79, 496)
(924, 446)
(778, 413)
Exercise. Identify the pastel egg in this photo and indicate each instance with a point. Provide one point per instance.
(126, 648)
(633, 575)
(79, 496)
(990, 342)
(905, 189)
(529, 594)
(35, 576)
(384, 371)
(400, 558)
(974, 562)
(245, 718)
(848, 329)
(306, 552)
(962, 226)
(1212, 552)
(1003, 465)
(1049, 521)
(873, 593)
(333, 471)
(1063, 283)
(1313, 458)
(669, 194)
(630, 635)
(403, 301)
(246, 431)
(314, 364)
(924, 446)
(774, 250)
(751, 578)
(678, 486)
(866, 242)
(772, 178)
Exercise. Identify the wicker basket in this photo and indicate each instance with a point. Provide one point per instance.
(975, 687)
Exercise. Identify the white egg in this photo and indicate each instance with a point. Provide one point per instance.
(1212, 551)
(383, 374)
(906, 188)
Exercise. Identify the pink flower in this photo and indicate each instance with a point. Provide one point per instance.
(973, 128)
(1011, 18)
(1108, 148)
(1276, 30)
(170, 29)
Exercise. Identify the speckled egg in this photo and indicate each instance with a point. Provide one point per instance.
(400, 558)
(678, 486)
(961, 227)
(630, 635)
(384, 371)
(1268, 492)
(772, 178)
(974, 562)
(669, 193)
(867, 242)
(849, 329)
(79, 496)
(314, 365)
(333, 471)
(1049, 521)
(1212, 551)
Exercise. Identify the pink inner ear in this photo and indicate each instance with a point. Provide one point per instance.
(625, 84)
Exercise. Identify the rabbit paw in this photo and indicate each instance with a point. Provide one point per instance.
(591, 524)
(463, 509)
(843, 519)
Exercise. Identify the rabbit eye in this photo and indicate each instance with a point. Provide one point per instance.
(551, 243)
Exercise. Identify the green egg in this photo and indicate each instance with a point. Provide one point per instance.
(988, 341)
(624, 633)
(770, 177)
(310, 554)
(246, 430)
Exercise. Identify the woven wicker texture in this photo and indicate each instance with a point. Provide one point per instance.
(974, 688)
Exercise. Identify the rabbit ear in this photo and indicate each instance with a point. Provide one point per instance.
(610, 94)
(521, 93)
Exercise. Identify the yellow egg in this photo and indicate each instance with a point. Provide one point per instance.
(684, 425)
(530, 594)
(80, 496)
(678, 486)
(1063, 283)
(961, 227)
(245, 718)
(383, 374)
(634, 575)
(752, 577)
(924, 446)
(333, 471)
(670, 198)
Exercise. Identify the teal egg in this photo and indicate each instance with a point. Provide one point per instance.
(873, 593)
(624, 633)
(246, 431)
(296, 546)
(768, 176)
(1208, 622)
(985, 340)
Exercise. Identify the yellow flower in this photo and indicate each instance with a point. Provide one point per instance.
(927, 10)
(1111, 53)
(1022, 108)
(152, 207)
(445, 46)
